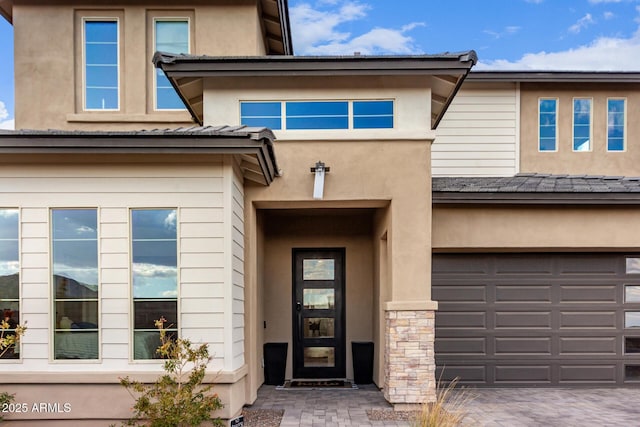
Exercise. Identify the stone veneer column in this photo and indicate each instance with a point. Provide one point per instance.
(409, 357)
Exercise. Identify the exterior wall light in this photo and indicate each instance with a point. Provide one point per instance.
(318, 186)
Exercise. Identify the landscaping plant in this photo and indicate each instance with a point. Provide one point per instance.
(448, 410)
(9, 337)
(177, 398)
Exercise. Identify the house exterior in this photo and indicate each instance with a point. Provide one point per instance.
(535, 250)
(182, 187)
(475, 224)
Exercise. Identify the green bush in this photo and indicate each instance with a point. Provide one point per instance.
(177, 398)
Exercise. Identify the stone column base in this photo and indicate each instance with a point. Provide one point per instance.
(409, 358)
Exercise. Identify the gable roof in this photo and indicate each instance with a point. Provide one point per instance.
(275, 24)
(253, 146)
(537, 188)
(186, 72)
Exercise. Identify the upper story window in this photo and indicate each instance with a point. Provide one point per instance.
(616, 124)
(170, 35)
(155, 277)
(316, 115)
(75, 283)
(582, 124)
(101, 64)
(9, 275)
(547, 124)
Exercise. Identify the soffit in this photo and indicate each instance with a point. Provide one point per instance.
(252, 147)
(6, 10)
(446, 72)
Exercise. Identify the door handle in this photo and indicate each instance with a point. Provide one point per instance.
(298, 307)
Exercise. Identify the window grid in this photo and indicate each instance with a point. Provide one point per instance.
(616, 124)
(75, 283)
(318, 115)
(155, 284)
(547, 124)
(171, 35)
(582, 124)
(10, 274)
(101, 54)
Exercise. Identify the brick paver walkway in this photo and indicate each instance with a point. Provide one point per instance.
(513, 407)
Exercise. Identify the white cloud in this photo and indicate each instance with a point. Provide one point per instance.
(603, 54)
(8, 125)
(605, 1)
(512, 29)
(608, 15)
(582, 23)
(5, 123)
(318, 32)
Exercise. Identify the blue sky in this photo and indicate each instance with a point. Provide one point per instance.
(506, 34)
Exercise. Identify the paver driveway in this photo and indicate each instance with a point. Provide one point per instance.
(511, 407)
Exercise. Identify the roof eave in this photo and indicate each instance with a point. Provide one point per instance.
(186, 68)
(533, 198)
(6, 10)
(258, 146)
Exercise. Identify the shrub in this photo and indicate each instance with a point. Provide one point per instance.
(8, 341)
(448, 410)
(178, 397)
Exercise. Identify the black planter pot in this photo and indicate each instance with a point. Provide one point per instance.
(362, 362)
(275, 362)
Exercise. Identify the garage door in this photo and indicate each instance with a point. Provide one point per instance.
(538, 319)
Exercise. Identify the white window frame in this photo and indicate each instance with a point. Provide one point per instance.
(624, 138)
(53, 299)
(153, 48)
(132, 299)
(350, 114)
(557, 140)
(573, 124)
(86, 19)
(22, 321)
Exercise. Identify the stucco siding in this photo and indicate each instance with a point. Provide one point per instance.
(195, 190)
(478, 135)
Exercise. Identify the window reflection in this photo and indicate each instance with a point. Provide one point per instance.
(319, 357)
(75, 283)
(9, 274)
(315, 327)
(155, 276)
(318, 299)
(318, 269)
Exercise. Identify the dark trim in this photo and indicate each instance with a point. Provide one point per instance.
(554, 76)
(207, 66)
(258, 144)
(285, 27)
(600, 199)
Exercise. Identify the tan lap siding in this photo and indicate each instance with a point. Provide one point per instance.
(478, 135)
(196, 190)
(237, 263)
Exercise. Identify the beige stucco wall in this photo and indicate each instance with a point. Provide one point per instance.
(536, 228)
(595, 162)
(48, 63)
(382, 175)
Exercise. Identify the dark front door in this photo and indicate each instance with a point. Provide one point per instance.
(318, 313)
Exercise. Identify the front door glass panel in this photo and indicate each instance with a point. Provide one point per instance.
(318, 269)
(319, 357)
(315, 327)
(318, 299)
